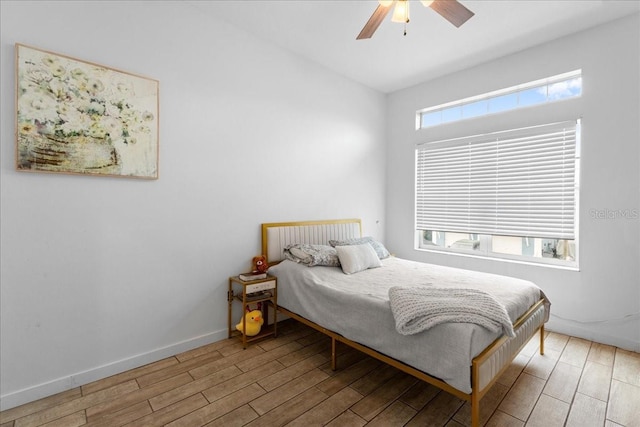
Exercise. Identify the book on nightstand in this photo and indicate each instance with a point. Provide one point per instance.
(247, 277)
(257, 295)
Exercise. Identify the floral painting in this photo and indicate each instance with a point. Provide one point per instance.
(82, 118)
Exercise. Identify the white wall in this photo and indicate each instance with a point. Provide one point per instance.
(103, 274)
(601, 301)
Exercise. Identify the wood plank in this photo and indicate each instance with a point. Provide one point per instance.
(39, 405)
(268, 356)
(522, 397)
(289, 326)
(304, 353)
(575, 352)
(396, 414)
(123, 416)
(219, 408)
(531, 347)
(177, 394)
(226, 362)
(383, 396)
(624, 403)
(346, 357)
(602, 354)
(74, 420)
(300, 336)
(287, 391)
(626, 367)
(586, 411)
(314, 338)
(500, 419)
(291, 409)
(171, 412)
(235, 348)
(511, 374)
(595, 381)
(128, 375)
(328, 409)
(548, 412)
(174, 370)
(347, 419)
(200, 351)
(556, 341)
(367, 384)
(349, 375)
(136, 396)
(541, 365)
(488, 405)
(289, 373)
(236, 418)
(419, 395)
(438, 412)
(241, 381)
(563, 382)
(84, 402)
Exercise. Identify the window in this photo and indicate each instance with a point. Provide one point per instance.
(510, 194)
(562, 86)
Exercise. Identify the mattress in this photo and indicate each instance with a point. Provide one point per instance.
(357, 307)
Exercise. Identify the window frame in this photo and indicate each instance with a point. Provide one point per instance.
(485, 251)
(547, 83)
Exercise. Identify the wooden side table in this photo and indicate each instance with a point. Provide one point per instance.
(263, 291)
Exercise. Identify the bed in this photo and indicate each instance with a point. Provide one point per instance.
(463, 359)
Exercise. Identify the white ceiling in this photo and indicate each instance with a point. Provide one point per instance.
(325, 31)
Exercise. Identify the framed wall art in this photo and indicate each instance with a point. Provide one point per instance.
(78, 117)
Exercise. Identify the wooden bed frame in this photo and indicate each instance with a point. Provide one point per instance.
(485, 368)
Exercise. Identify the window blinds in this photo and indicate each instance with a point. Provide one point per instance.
(514, 183)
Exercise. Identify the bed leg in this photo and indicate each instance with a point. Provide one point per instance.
(334, 363)
(475, 410)
(542, 339)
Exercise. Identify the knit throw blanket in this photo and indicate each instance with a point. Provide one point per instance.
(416, 309)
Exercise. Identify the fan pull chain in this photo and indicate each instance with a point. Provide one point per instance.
(406, 21)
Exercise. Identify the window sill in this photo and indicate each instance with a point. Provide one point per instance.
(497, 259)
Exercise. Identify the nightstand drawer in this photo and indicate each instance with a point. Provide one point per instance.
(262, 286)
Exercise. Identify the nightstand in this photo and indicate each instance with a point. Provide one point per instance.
(251, 293)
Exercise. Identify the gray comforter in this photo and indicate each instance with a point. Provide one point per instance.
(357, 307)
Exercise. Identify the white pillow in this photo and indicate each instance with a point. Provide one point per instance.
(355, 258)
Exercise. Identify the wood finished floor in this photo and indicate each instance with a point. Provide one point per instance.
(288, 381)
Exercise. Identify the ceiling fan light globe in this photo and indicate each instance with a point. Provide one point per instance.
(385, 3)
(426, 3)
(401, 11)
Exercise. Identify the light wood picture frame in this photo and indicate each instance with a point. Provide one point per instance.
(78, 117)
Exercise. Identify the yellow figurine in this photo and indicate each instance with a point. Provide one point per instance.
(253, 321)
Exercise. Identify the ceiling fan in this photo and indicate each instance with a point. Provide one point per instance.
(451, 10)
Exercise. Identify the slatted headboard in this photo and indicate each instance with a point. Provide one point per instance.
(277, 235)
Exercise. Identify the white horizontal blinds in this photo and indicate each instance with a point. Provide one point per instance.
(515, 183)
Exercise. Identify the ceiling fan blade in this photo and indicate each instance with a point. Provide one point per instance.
(452, 10)
(374, 22)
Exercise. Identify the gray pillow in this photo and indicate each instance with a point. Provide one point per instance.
(312, 255)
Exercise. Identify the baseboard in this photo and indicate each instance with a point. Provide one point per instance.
(20, 397)
(578, 331)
